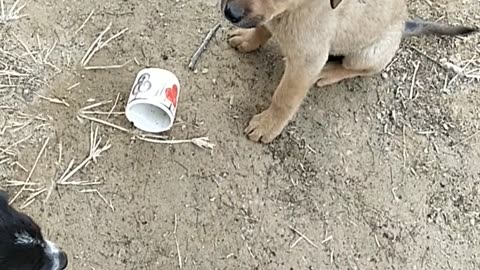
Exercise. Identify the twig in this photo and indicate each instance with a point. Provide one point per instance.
(94, 152)
(464, 140)
(176, 243)
(15, 183)
(296, 242)
(108, 203)
(25, 47)
(84, 22)
(114, 105)
(404, 148)
(303, 236)
(54, 100)
(327, 239)
(73, 86)
(203, 46)
(14, 144)
(417, 66)
(32, 197)
(94, 45)
(202, 142)
(100, 121)
(102, 113)
(101, 44)
(49, 52)
(107, 67)
(49, 191)
(31, 171)
(13, 13)
(98, 44)
(91, 106)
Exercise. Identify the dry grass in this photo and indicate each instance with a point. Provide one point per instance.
(11, 14)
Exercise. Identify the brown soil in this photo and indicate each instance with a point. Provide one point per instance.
(375, 179)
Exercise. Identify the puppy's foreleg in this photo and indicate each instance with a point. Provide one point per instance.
(248, 40)
(300, 74)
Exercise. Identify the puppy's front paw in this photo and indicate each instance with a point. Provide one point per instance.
(245, 40)
(265, 126)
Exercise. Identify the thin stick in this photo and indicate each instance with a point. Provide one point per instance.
(404, 148)
(98, 104)
(94, 152)
(25, 47)
(49, 191)
(73, 86)
(102, 113)
(108, 203)
(201, 142)
(100, 44)
(103, 44)
(31, 171)
(60, 151)
(54, 100)
(464, 140)
(176, 243)
(417, 66)
(49, 52)
(303, 236)
(14, 144)
(32, 197)
(5, 160)
(114, 105)
(84, 22)
(104, 123)
(94, 45)
(107, 67)
(15, 183)
(203, 46)
(2, 6)
(296, 242)
(327, 239)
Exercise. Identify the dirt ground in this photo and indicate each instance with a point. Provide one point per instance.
(378, 173)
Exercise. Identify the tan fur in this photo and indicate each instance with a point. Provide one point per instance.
(366, 32)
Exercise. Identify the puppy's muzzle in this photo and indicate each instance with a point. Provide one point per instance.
(63, 260)
(234, 13)
(240, 15)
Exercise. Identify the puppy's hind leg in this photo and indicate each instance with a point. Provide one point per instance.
(365, 62)
(248, 40)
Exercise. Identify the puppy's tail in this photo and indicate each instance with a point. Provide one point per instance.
(422, 28)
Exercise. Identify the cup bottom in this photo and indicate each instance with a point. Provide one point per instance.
(149, 117)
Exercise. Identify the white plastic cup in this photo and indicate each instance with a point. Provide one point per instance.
(153, 100)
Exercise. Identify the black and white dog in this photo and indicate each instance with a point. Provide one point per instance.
(22, 246)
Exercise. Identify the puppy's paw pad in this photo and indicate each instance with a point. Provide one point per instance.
(244, 40)
(264, 127)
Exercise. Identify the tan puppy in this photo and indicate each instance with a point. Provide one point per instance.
(367, 33)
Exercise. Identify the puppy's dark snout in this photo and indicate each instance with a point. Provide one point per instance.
(63, 260)
(234, 13)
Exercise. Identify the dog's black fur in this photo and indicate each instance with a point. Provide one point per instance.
(22, 246)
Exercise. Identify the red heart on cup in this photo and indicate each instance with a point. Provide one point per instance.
(171, 94)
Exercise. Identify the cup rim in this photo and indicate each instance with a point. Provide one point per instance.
(157, 104)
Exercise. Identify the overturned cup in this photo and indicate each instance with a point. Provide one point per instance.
(153, 100)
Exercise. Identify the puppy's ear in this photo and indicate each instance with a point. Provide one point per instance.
(335, 3)
(3, 196)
